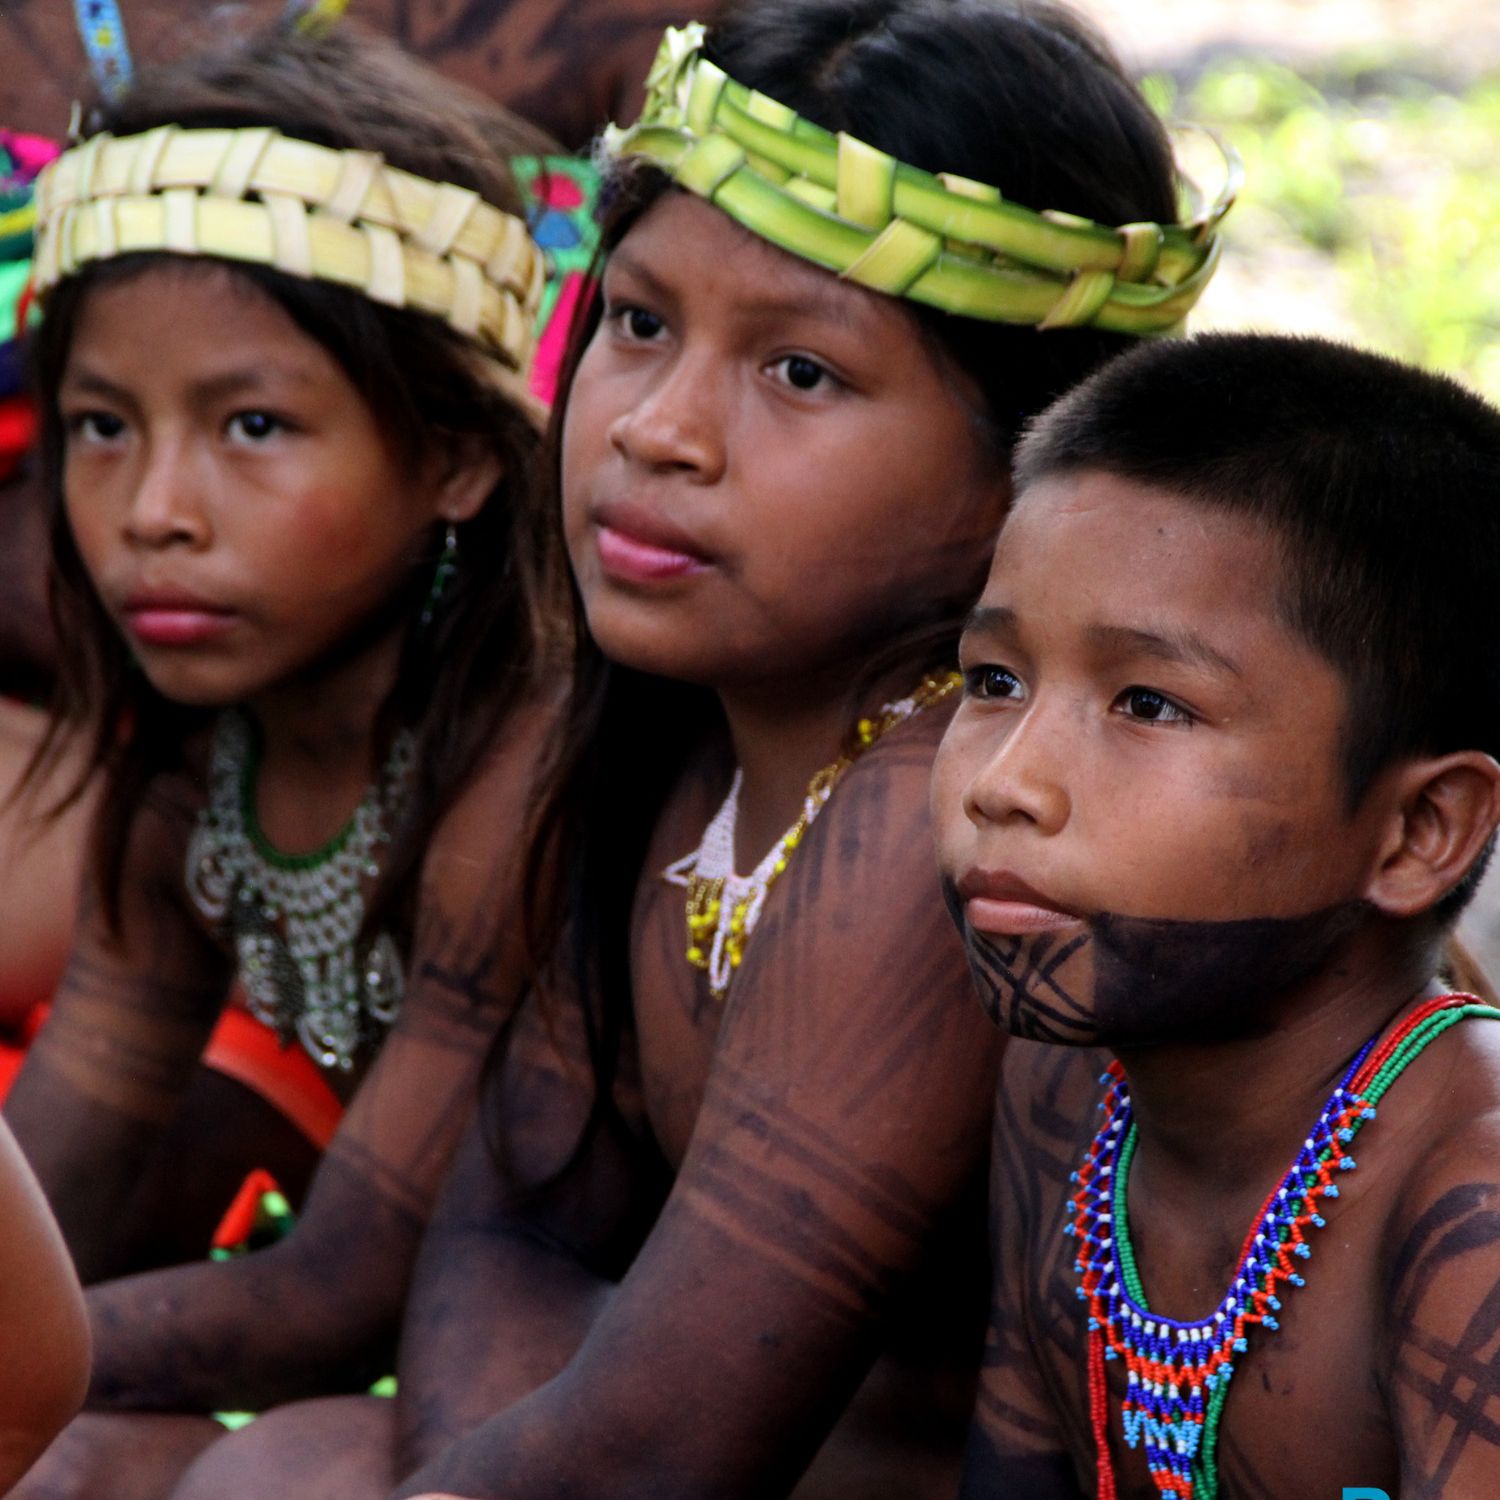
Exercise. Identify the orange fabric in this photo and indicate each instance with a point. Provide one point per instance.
(247, 1051)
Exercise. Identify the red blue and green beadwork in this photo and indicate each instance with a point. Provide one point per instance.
(1178, 1373)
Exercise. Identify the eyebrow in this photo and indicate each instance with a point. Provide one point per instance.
(1161, 645)
(215, 388)
(993, 617)
(827, 306)
(1184, 646)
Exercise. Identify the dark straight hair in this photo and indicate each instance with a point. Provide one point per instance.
(1378, 480)
(1021, 94)
(490, 641)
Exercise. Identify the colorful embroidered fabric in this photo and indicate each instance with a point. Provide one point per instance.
(21, 158)
(563, 191)
(1178, 1373)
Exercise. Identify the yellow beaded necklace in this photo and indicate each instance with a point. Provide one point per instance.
(722, 907)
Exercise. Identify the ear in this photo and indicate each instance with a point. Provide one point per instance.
(1446, 809)
(470, 471)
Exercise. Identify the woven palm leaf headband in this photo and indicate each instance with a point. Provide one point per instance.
(256, 195)
(939, 239)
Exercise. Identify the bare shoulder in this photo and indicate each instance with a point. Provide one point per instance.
(490, 814)
(855, 950)
(468, 939)
(476, 861)
(1439, 1288)
(1442, 1120)
(156, 913)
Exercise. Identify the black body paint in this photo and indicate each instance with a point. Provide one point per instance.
(1126, 981)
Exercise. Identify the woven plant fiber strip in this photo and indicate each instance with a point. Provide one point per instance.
(936, 238)
(257, 196)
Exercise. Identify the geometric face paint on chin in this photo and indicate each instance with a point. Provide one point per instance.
(1136, 981)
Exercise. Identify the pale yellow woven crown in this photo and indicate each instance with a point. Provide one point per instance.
(256, 195)
(935, 238)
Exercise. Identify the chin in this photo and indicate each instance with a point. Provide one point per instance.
(659, 646)
(196, 689)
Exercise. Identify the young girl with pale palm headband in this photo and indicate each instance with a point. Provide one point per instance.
(305, 611)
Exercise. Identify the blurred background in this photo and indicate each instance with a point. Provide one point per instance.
(1370, 133)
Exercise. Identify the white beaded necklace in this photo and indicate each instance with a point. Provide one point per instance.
(723, 908)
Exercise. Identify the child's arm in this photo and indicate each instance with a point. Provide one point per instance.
(44, 1339)
(318, 1312)
(1016, 1444)
(846, 1112)
(129, 1022)
(504, 1292)
(1443, 1325)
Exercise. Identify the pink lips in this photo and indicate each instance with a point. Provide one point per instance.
(174, 619)
(1003, 904)
(636, 546)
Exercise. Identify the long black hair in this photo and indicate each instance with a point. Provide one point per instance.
(484, 652)
(1021, 94)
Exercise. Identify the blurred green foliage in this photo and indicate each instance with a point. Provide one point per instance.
(1392, 179)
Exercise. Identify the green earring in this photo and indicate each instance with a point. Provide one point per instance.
(447, 566)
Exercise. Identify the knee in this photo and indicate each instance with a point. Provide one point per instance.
(345, 1442)
(124, 1456)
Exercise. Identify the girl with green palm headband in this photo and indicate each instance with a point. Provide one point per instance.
(783, 453)
(717, 1228)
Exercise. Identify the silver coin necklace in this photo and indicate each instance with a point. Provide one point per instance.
(296, 921)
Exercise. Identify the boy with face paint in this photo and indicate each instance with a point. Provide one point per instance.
(1221, 781)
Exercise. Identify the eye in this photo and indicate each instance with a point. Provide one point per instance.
(1151, 707)
(803, 373)
(254, 426)
(636, 324)
(95, 426)
(992, 683)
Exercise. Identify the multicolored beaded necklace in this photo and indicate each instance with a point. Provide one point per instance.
(722, 907)
(1178, 1373)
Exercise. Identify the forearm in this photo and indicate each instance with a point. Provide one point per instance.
(87, 1158)
(313, 1315)
(557, 1441)
(653, 1409)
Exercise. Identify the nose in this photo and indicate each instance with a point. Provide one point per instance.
(166, 507)
(676, 423)
(1022, 780)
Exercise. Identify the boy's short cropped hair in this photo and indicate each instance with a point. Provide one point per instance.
(1383, 482)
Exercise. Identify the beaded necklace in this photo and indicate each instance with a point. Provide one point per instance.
(722, 907)
(1178, 1373)
(295, 920)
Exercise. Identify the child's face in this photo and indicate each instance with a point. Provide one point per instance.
(230, 493)
(1140, 805)
(766, 471)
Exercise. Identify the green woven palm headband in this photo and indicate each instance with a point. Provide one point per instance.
(943, 240)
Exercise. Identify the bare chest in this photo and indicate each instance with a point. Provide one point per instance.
(1304, 1415)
